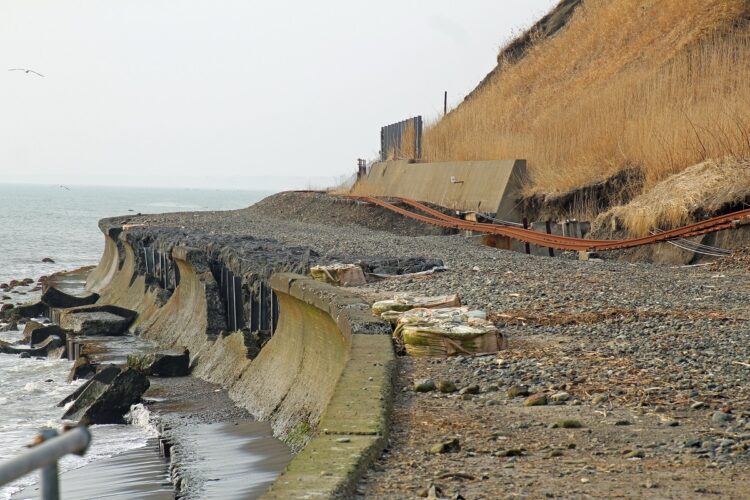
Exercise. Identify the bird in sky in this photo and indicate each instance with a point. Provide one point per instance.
(64, 187)
(27, 71)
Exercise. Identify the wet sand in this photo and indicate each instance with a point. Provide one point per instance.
(219, 450)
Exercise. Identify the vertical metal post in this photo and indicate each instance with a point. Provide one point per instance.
(527, 247)
(239, 307)
(145, 258)
(230, 302)
(50, 486)
(274, 311)
(549, 231)
(445, 103)
(165, 271)
(262, 307)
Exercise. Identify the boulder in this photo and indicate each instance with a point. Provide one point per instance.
(52, 346)
(61, 300)
(82, 368)
(48, 260)
(101, 403)
(28, 329)
(40, 333)
(32, 310)
(96, 320)
(103, 377)
(94, 323)
(162, 364)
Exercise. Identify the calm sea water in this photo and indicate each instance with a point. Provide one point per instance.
(61, 223)
(52, 221)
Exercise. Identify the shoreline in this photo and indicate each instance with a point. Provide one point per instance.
(177, 408)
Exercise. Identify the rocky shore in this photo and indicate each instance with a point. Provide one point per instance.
(194, 418)
(620, 379)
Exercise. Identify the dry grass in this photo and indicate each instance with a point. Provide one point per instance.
(658, 85)
(406, 149)
(702, 189)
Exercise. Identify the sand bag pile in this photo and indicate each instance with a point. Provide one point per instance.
(391, 310)
(339, 274)
(447, 332)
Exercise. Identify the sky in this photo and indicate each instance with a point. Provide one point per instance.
(230, 94)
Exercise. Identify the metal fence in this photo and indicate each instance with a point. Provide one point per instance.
(402, 140)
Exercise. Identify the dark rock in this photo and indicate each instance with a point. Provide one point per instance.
(104, 377)
(28, 329)
(446, 386)
(52, 347)
(424, 385)
(48, 260)
(471, 389)
(161, 364)
(24, 355)
(536, 400)
(40, 333)
(634, 454)
(570, 424)
(5, 307)
(107, 403)
(82, 368)
(55, 298)
(448, 446)
(32, 310)
(518, 391)
(720, 417)
(8, 327)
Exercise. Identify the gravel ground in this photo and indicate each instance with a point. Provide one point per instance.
(649, 367)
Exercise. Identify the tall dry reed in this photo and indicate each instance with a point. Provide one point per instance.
(654, 84)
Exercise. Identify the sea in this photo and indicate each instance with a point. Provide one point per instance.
(60, 223)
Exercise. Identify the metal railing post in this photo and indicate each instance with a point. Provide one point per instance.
(50, 486)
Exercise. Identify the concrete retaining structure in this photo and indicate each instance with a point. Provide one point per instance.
(323, 380)
(481, 186)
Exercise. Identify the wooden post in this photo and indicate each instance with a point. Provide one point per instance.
(549, 231)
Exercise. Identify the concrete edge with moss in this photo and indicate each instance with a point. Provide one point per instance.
(353, 430)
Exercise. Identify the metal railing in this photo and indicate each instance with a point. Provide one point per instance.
(45, 456)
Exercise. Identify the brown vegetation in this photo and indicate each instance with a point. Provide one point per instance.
(653, 85)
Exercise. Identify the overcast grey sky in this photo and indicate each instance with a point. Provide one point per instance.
(213, 93)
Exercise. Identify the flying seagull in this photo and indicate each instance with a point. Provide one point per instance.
(27, 71)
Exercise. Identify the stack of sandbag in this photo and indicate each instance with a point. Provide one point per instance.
(339, 274)
(391, 310)
(446, 332)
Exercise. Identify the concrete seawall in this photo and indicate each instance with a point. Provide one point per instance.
(323, 379)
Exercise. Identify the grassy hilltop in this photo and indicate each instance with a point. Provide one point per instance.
(601, 87)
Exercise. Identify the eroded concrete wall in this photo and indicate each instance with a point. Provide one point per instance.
(325, 373)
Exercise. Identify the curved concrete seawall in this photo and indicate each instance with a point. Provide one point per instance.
(323, 379)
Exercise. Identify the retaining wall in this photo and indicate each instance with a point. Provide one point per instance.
(482, 186)
(323, 380)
